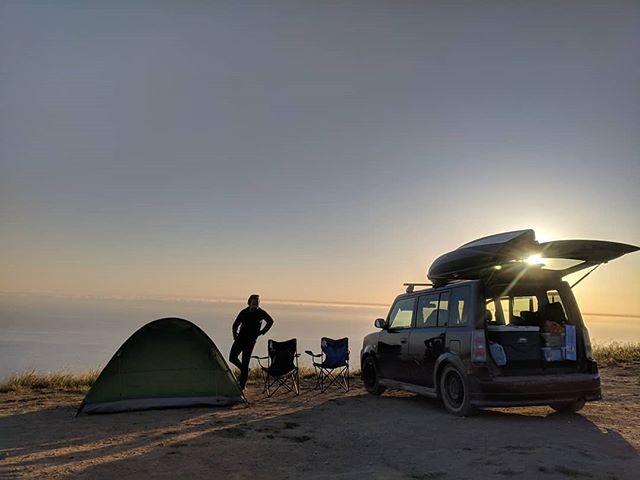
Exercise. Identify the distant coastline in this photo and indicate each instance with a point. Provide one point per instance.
(233, 300)
(194, 299)
(621, 315)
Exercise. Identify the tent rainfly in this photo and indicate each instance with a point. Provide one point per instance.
(167, 363)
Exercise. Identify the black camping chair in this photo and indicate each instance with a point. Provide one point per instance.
(333, 369)
(282, 367)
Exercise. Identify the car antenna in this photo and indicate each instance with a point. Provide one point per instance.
(410, 286)
(587, 274)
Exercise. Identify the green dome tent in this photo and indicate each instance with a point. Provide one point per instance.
(167, 363)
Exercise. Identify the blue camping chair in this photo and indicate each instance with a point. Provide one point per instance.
(281, 369)
(333, 369)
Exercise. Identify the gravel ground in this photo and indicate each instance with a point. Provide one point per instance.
(353, 435)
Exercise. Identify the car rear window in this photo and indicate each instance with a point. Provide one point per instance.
(524, 308)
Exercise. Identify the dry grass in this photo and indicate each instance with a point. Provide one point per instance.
(608, 354)
(81, 381)
(61, 381)
(617, 353)
(305, 372)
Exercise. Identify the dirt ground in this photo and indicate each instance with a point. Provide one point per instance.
(353, 435)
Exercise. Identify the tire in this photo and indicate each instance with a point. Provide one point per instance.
(370, 377)
(454, 392)
(568, 407)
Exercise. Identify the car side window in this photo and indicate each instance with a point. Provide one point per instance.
(427, 311)
(443, 309)
(402, 313)
(459, 306)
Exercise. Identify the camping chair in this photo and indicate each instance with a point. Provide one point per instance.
(334, 368)
(282, 367)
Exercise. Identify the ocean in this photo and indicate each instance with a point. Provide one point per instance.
(48, 333)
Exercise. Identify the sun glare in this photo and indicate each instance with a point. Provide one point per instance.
(535, 260)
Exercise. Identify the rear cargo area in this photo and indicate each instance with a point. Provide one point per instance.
(532, 331)
(519, 350)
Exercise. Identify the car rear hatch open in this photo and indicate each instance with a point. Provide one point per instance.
(585, 252)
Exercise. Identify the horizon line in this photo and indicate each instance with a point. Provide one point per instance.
(278, 301)
(195, 299)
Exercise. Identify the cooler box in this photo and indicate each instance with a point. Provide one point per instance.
(520, 343)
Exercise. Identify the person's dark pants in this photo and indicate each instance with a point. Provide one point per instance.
(244, 346)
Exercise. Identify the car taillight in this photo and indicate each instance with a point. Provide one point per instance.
(478, 346)
(587, 344)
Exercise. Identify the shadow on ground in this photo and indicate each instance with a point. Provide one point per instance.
(313, 435)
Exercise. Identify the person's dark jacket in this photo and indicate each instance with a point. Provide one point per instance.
(247, 325)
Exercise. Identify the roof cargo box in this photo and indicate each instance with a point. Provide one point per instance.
(512, 255)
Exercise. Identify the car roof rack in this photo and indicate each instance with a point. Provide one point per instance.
(411, 286)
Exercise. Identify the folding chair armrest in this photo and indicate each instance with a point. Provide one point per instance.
(309, 352)
(260, 358)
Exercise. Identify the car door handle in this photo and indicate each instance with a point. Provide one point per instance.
(404, 340)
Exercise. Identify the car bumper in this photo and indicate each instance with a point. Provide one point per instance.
(534, 389)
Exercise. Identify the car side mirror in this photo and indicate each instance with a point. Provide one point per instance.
(380, 323)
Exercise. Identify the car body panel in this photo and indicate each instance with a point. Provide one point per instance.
(534, 390)
(393, 353)
(425, 347)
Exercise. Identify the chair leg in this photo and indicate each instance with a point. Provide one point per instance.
(297, 377)
(268, 383)
(316, 370)
(348, 379)
(327, 375)
(340, 379)
(289, 382)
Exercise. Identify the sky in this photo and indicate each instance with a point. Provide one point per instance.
(324, 151)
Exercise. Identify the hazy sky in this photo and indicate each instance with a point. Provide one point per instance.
(310, 150)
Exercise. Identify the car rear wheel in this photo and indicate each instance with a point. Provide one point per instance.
(454, 391)
(370, 377)
(568, 407)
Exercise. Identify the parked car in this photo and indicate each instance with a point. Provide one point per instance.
(497, 327)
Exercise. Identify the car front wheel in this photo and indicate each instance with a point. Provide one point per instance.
(454, 392)
(370, 377)
(568, 407)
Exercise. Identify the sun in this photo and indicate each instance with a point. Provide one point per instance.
(535, 259)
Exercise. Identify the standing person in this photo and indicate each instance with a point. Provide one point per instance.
(246, 330)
